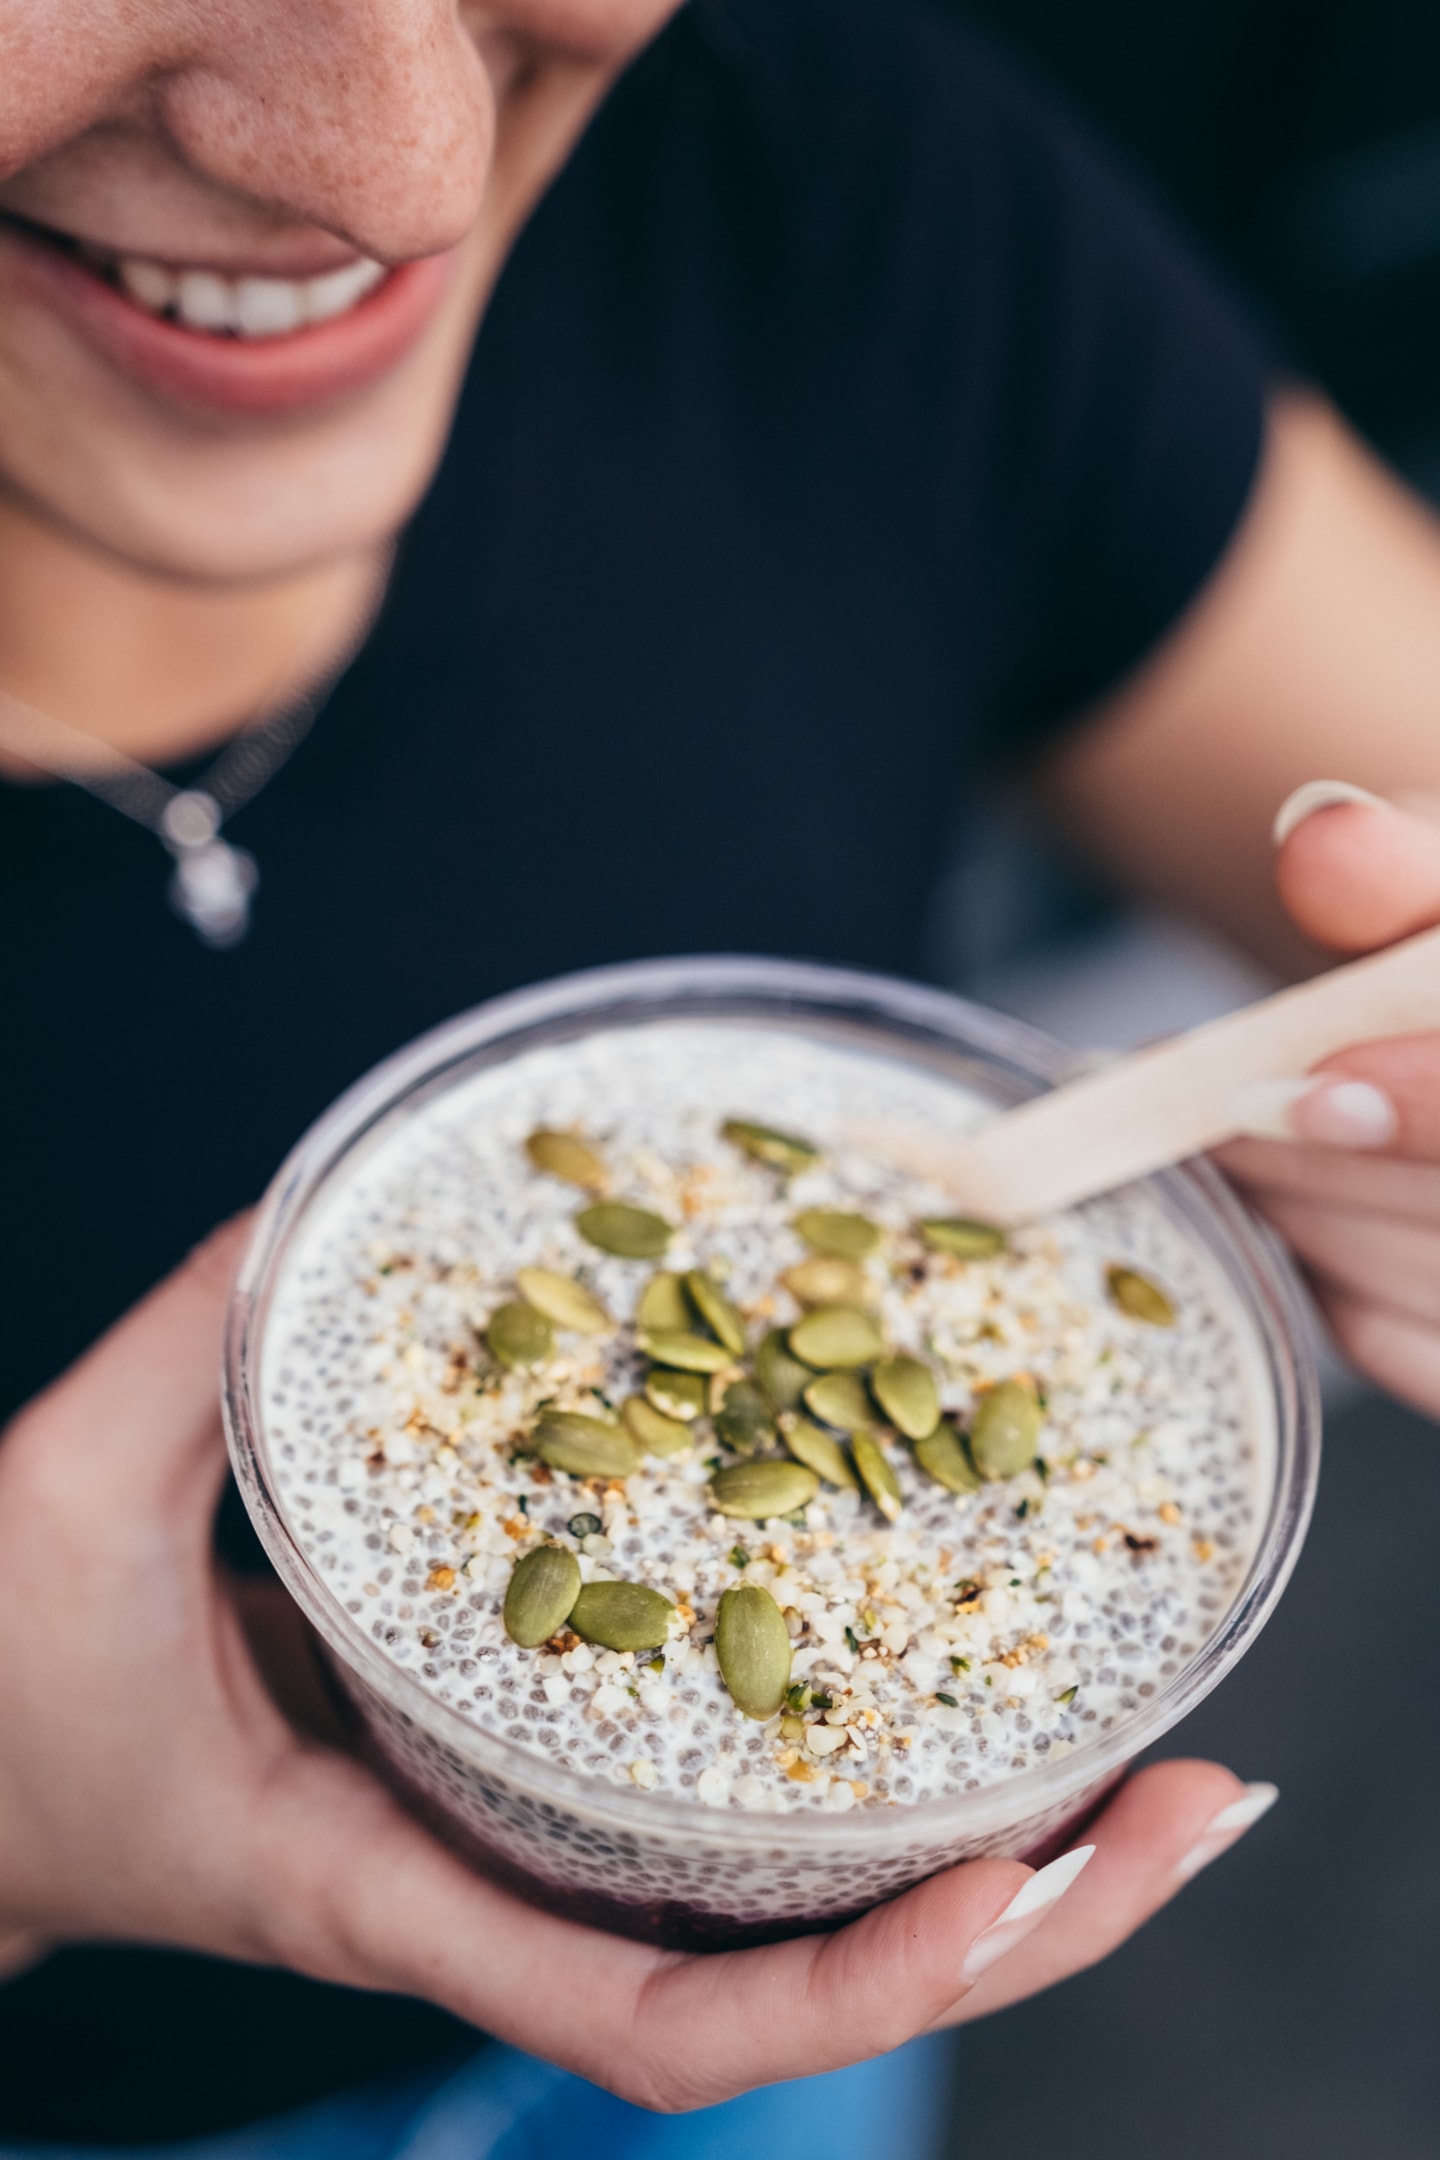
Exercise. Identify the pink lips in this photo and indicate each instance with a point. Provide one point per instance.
(242, 376)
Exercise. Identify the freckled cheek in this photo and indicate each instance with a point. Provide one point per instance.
(598, 29)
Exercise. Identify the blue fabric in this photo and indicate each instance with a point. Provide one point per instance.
(502, 2105)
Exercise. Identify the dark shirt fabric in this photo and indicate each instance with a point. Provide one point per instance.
(839, 428)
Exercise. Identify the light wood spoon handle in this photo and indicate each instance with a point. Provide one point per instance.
(1173, 1100)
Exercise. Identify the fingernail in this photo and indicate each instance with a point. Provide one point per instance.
(1346, 1113)
(1318, 795)
(1223, 1829)
(1337, 1113)
(1025, 1911)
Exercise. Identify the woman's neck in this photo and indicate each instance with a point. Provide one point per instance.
(157, 669)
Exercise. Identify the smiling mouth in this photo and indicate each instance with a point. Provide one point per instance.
(205, 300)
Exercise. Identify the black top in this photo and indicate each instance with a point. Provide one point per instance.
(837, 428)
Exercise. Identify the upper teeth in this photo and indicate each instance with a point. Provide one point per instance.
(252, 307)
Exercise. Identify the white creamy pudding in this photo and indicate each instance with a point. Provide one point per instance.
(819, 1498)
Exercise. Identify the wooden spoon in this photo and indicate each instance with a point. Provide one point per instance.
(1175, 1099)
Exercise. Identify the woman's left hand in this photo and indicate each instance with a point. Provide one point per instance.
(1356, 1192)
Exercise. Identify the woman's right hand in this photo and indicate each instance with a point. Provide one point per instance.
(151, 1790)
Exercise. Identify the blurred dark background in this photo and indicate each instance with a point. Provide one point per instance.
(1300, 141)
(1287, 2007)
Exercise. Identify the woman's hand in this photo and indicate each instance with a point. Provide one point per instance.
(151, 1789)
(1356, 1193)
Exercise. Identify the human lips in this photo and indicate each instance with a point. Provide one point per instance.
(235, 339)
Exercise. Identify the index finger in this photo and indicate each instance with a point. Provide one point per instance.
(1405, 1069)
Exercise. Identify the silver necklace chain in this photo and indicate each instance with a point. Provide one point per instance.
(212, 882)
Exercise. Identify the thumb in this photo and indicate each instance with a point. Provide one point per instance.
(1354, 871)
(131, 1429)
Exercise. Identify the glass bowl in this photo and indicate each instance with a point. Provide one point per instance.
(651, 1865)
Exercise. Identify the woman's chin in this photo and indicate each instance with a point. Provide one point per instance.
(251, 480)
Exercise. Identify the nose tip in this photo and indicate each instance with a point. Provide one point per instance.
(381, 134)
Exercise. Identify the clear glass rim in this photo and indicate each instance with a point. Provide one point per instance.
(783, 991)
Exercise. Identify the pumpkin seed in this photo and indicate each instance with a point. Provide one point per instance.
(632, 1233)
(539, 1595)
(876, 1474)
(621, 1616)
(783, 1377)
(826, 1279)
(1004, 1431)
(744, 1421)
(905, 1389)
(656, 1433)
(752, 1647)
(836, 1336)
(840, 1399)
(562, 1155)
(676, 1394)
(663, 1304)
(756, 1490)
(819, 1451)
(1136, 1295)
(941, 1455)
(715, 1309)
(781, 1151)
(563, 1300)
(684, 1352)
(958, 1235)
(585, 1446)
(836, 1230)
(518, 1335)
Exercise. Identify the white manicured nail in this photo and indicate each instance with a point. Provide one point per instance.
(1025, 1911)
(1231, 1823)
(1318, 795)
(1347, 1114)
(1335, 1112)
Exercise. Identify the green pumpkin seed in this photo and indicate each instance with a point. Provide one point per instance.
(632, 1233)
(676, 1394)
(744, 1421)
(826, 1279)
(905, 1389)
(835, 1230)
(656, 1433)
(752, 1647)
(783, 1377)
(663, 1305)
(836, 1337)
(562, 1155)
(621, 1616)
(518, 1335)
(781, 1151)
(756, 1490)
(715, 1309)
(819, 1451)
(585, 1446)
(563, 1300)
(540, 1593)
(876, 1475)
(941, 1455)
(685, 1352)
(1136, 1295)
(1005, 1431)
(964, 1239)
(839, 1398)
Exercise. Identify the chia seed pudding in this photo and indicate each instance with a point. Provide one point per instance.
(965, 1503)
